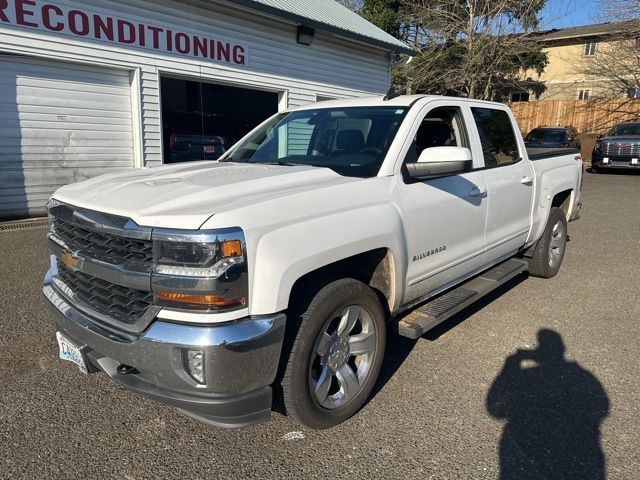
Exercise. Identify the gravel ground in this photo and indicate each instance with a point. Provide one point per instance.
(435, 413)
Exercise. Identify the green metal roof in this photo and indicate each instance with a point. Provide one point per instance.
(331, 16)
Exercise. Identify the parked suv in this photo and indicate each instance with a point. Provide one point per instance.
(553, 137)
(619, 149)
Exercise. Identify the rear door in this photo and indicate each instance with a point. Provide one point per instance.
(509, 178)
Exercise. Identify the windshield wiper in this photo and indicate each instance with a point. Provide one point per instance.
(285, 164)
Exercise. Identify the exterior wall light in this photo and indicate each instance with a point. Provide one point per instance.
(305, 34)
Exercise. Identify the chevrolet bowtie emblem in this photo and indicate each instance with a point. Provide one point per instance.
(69, 260)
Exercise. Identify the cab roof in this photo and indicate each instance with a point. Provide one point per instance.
(379, 101)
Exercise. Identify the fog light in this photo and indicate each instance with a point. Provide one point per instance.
(194, 364)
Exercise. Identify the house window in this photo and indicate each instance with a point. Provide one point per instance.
(590, 48)
(584, 94)
(633, 92)
(520, 97)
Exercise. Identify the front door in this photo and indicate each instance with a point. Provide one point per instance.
(444, 218)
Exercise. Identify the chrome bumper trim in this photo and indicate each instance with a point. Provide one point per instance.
(240, 356)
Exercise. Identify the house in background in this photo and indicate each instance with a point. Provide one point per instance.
(583, 61)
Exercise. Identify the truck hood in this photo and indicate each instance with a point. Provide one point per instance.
(621, 139)
(184, 196)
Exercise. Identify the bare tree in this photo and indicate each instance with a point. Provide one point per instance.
(353, 5)
(473, 48)
(620, 10)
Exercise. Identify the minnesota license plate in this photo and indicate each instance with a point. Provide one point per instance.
(70, 352)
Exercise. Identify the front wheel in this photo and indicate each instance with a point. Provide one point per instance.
(549, 251)
(335, 356)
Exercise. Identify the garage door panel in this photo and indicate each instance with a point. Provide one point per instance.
(15, 152)
(57, 134)
(85, 112)
(54, 176)
(59, 124)
(92, 75)
(58, 144)
(75, 103)
(51, 92)
(23, 83)
(15, 160)
(69, 120)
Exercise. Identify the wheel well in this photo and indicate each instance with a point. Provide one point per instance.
(563, 200)
(374, 268)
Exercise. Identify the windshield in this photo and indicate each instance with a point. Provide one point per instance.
(351, 141)
(546, 136)
(625, 129)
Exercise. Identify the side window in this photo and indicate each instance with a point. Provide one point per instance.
(499, 144)
(441, 127)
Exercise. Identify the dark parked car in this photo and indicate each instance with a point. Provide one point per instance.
(618, 149)
(553, 137)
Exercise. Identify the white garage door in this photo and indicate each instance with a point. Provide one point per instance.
(59, 123)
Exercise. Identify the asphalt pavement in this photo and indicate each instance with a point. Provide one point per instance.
(487, 394)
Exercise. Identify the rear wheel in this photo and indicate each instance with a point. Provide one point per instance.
(549, 251)
(335, 355)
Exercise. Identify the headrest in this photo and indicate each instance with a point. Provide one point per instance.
(351, 140)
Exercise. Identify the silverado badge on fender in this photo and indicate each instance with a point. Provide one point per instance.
(428, 253)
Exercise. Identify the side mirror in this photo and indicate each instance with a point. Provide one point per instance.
(440, 161)
(600, 135)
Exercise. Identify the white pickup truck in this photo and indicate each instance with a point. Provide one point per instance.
(276, 272)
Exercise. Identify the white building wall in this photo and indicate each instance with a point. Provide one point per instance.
(330, 67)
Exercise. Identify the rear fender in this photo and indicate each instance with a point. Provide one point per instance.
(552, 182)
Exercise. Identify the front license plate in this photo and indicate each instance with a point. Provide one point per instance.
(70, 352)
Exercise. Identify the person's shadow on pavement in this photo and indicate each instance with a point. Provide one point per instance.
(553, 410)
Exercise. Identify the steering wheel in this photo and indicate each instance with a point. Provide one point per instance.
(370, 151)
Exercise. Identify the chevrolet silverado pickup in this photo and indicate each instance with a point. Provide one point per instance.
(270, 278)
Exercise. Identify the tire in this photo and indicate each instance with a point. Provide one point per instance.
(549, 251)
(316, 389)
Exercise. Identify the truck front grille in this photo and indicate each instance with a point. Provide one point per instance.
(103, 246)
(621, 149)
(115, 301)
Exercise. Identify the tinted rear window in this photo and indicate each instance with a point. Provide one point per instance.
(498, 139)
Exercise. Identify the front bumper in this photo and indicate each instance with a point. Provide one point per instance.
(619, 163)
(241, 361)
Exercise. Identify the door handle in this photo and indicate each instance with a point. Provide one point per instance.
(476, 192)
(526, 180)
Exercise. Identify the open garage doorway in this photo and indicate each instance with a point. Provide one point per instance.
(200, 121)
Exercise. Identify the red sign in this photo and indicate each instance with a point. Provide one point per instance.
(78, 22)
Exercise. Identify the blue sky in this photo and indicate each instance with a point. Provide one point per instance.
(568, 13)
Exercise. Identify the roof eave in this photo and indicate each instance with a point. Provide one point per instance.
(276, 12)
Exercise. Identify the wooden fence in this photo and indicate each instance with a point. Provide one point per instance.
(588, 116)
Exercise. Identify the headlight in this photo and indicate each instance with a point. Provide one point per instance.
(197, 254)
(200, 270)
(597, 145)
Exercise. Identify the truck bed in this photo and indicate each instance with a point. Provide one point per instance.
(540, 153)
